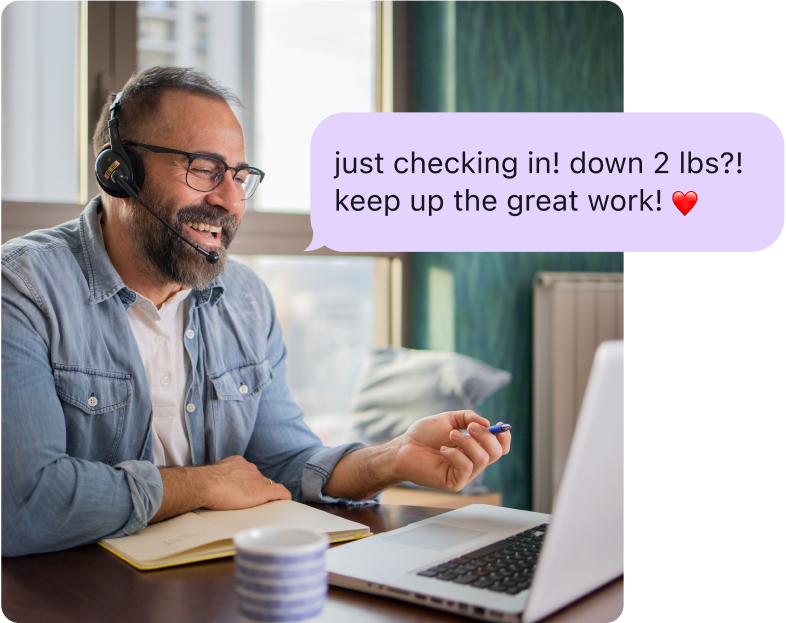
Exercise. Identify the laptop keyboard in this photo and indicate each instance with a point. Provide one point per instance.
(504, 567)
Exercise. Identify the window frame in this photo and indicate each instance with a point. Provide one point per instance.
(109, 57)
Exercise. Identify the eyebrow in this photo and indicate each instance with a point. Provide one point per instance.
(221, 157)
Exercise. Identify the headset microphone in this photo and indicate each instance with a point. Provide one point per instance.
(119, 179)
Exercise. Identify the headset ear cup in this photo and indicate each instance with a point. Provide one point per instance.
(107, 163)
(137, 169)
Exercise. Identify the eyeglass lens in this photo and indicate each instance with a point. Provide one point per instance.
(205, 174)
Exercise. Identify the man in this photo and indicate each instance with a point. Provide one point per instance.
(141, 382)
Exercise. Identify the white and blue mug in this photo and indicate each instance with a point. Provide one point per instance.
(280, 574)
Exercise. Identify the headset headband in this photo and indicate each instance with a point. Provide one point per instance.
(112, 157)
(114, 135)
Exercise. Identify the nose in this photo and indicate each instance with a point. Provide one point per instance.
(226, 196)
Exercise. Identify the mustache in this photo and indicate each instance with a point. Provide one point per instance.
(208, 214)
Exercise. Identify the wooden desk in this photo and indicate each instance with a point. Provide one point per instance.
(88, 584)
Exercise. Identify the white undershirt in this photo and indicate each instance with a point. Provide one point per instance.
(159, 335)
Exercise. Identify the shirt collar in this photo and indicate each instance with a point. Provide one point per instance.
(102, 278)
(148, 307)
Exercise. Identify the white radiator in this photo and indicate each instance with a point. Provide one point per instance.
(573, 314)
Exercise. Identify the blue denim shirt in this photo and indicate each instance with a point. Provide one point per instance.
(76, 470)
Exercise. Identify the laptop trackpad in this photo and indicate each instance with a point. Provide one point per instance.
(435, 536)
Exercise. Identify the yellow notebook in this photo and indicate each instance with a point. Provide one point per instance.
(203, 534)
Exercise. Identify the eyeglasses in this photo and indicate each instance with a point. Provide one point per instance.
(205, 172)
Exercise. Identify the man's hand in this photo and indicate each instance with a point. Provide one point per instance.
(236, 483)
(432, 453)
(229, 484)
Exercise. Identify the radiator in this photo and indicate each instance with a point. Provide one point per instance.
(573, 314)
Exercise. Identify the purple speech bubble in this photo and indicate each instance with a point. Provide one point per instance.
(529, 193)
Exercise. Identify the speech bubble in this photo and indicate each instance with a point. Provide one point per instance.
(546, 182)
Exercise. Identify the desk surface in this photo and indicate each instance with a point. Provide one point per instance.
(88, 584)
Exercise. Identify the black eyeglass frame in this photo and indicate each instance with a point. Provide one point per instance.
(193, 156)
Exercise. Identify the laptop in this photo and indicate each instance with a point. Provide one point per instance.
(503, 564)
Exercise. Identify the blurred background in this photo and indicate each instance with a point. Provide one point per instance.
(537, 316)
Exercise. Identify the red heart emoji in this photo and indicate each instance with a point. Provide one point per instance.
(685, 202)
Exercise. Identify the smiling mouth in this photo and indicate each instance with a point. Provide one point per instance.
(205, 231)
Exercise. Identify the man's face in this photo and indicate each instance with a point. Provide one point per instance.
(209, 219)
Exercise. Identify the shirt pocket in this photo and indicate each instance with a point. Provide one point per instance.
(234, 405)
(95, 404)
(243, 382)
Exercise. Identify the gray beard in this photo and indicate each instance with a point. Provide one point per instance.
(169, 256)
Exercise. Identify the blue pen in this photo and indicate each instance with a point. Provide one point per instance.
(494, 430)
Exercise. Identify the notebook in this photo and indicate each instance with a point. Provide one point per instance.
(204, 535)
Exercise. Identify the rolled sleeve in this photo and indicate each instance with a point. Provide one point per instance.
(318, 471)
(147, 492)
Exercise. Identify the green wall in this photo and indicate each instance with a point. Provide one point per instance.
(519, 56)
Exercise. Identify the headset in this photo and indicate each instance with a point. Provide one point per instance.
(120, 173)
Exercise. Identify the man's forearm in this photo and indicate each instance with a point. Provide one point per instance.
(230, 484)
(364, 473)
(185, 489)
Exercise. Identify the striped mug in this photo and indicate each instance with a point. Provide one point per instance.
(280, 574)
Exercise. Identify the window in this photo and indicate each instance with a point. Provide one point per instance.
(40, 74)
(206, 35)
(326, 309)
(314, 59)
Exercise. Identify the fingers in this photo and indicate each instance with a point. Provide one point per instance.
(265, 489)
(275, 491)
(464, 418)
(474, 451)
(256, 491)
(490, 443)
(504, 440)
(462, 468)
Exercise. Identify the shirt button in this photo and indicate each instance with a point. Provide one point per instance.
(190, 334)
(92, 401)
(165, 381)
(244, 389)
(160, 339)
(190, 407)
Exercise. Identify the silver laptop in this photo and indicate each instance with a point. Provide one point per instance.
(502, 564)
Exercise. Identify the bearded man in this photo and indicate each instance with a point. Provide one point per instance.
(140, 381)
